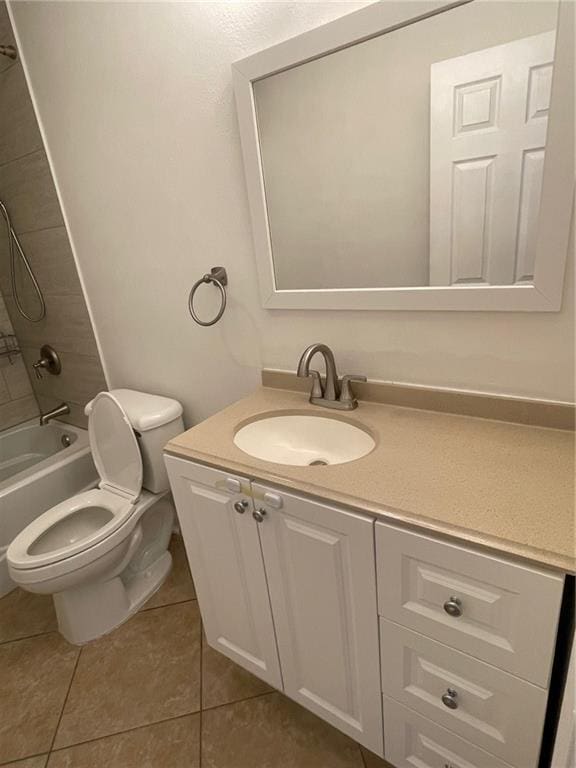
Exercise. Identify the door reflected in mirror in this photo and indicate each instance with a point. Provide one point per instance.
(414, 158)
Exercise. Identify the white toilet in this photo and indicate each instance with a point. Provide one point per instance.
(102, 553)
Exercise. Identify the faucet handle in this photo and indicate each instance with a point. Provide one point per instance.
(38, 365)
(346, 394)
(317, 388)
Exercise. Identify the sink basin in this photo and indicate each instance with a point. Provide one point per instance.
(303, 440)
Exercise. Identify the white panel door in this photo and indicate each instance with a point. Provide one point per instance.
(413, 741)
(490, 708)
(488, 121)
(502, 612)
(226, 562)
(321, 575)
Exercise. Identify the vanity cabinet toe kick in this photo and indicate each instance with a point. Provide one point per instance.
(428, 653)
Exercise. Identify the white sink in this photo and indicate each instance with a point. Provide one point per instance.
(303, 440)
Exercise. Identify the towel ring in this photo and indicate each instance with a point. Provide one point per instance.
(219, 278)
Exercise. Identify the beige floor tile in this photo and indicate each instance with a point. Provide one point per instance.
(179, 585)
(31, 762)
(373, 761)
(224, 682)
(273, 732)
(23, 614)
(35, 675)
(172, 744)
(145, 671)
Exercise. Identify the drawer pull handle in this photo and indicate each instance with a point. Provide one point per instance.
(453, 607)
(449, 698)
(241, 506)
(259, 515)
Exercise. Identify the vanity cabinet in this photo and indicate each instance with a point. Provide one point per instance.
(429, 653)
(287, 590)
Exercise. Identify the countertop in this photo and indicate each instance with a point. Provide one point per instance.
(502, 486)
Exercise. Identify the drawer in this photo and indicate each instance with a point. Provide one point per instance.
(489, 708)
(499, 611)
(412, 740)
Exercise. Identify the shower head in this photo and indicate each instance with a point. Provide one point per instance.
(9, 50)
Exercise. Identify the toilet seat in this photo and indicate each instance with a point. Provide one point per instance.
(65, 531)
(114, 447)
(89, 524)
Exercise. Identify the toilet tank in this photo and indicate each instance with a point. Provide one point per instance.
(155, 421)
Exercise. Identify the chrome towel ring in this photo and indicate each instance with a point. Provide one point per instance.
(219, 278)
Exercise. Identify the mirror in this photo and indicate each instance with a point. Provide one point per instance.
(413, 156)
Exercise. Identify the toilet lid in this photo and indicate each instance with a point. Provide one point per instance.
(114, 447)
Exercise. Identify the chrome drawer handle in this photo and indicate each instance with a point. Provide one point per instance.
(449, 698)
(453, 607)
(259, 515)
(241, 506)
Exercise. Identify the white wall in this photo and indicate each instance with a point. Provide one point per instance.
(137, 108)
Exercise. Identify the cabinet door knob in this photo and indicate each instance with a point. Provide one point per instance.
(449, 698)
(241, 506)
(259, 515)
(453, 607)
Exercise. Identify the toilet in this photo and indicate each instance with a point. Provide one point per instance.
(104, 552)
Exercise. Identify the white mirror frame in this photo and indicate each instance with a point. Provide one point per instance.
(543, 295)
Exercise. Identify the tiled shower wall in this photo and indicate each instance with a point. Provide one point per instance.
(27, 189)
(17, 401)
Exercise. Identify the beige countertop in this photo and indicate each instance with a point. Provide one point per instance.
(507, 487)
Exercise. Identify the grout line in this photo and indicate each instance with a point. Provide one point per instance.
(24, 759)
(165, 605)
(28, 637)
(153, 723)
(40, 229)
(362, 757)
(64, 702)
(120, 733)
(247, 698)
(7, 69)
(21, 157)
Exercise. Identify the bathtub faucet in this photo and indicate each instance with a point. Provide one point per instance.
(60, 410)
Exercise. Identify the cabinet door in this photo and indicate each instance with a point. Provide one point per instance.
(226, 562)
(320, 565)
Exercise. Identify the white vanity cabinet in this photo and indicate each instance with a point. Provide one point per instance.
(287, 590)
(429, 653)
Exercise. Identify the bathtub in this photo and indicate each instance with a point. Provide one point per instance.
(39, 467)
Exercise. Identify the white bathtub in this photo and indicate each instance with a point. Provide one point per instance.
(38, 469)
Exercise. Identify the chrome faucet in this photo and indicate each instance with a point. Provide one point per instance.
(60, 410)
(332, 394)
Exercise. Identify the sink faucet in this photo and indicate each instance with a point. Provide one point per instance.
(60, 410)
(332, 394)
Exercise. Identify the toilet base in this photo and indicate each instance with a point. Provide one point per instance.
(93, 610)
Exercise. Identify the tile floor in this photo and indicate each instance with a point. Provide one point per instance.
(152, 694)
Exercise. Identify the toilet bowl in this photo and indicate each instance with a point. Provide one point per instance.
(103, 553)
